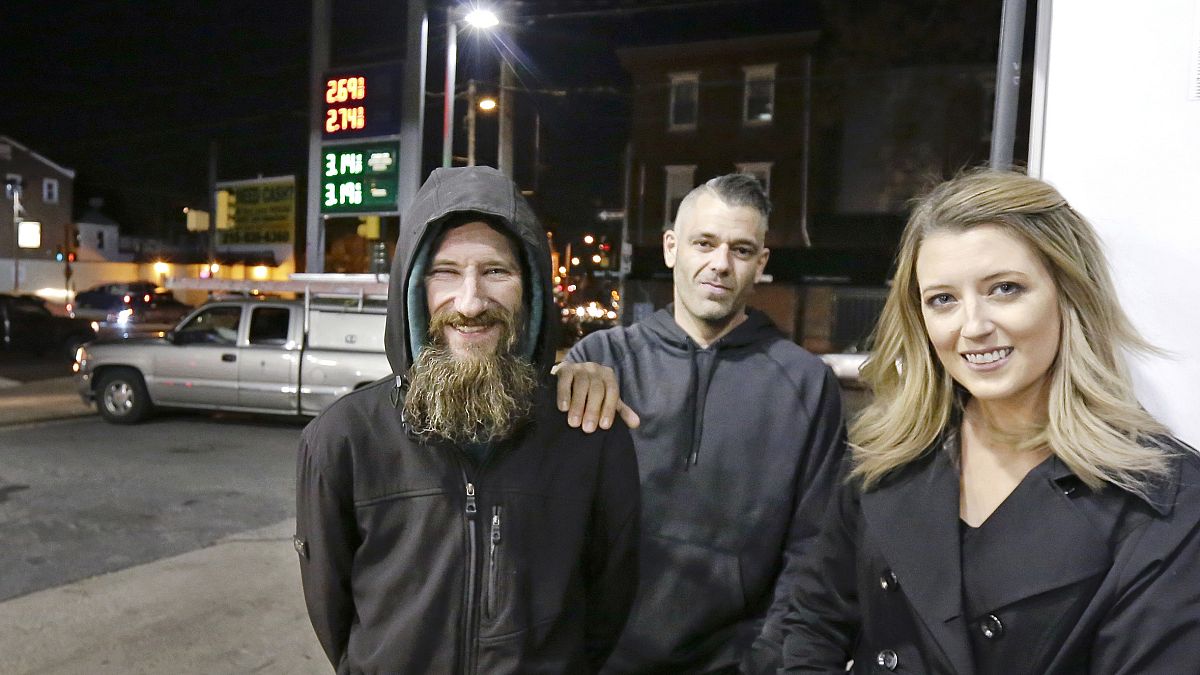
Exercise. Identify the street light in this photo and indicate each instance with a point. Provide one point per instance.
(478, 18)
(483, 18)
(12, 188)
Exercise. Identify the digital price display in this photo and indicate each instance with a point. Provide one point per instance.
(359, 178)
(362, 102)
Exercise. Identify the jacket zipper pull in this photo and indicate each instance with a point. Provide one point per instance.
(472, 508)
(495, 527)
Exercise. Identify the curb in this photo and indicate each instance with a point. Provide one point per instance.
(41, 401)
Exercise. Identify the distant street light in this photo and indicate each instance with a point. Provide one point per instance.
(479, 18)
(488, 104)
(588, 239)
(483, 18)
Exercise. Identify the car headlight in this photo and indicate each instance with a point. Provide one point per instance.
(124, 316)
(80, 359)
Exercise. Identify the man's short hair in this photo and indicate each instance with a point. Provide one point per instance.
(733, 189)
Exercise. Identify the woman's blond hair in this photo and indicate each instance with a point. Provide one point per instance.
(1094, 424)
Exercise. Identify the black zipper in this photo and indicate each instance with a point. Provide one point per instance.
(493, 562)
(472, 510)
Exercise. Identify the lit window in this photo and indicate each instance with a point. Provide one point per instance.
(680, 181)
(758, 102)
(685, 100)
(50, 191)
(760, 170)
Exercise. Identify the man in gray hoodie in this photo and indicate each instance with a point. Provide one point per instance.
(740, 441)
(448, 520)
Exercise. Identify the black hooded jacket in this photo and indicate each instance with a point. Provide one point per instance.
(739, 448)
(415, 559)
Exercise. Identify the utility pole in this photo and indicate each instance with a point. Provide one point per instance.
(212, 201)
(626, 250)
(14, 189)
(412, 120)
(314, 249)
(1008, 84)
(471, 103)
(504, 153)
(448, 105)
(807, 126)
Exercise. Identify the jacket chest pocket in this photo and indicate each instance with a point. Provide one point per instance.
(493, 566)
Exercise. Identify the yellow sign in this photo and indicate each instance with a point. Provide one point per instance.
(260, 211)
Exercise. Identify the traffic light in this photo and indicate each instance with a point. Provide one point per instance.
(226, 209)
(58, 254)
(70, 256)
(379, 258)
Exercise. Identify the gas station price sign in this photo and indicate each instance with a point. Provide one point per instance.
(362, 102)
(359, 178)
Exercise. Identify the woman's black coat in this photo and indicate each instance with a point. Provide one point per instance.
(1091, 582)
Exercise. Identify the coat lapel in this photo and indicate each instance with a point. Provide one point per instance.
(1040, 540)
(915, 521)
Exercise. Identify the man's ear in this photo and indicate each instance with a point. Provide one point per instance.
(762, 264)
(669, 248)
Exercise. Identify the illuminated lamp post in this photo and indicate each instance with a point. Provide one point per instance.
(478, 18)
(486, 104)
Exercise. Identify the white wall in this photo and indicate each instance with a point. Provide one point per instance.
(1116, 133)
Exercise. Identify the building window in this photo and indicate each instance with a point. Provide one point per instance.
(685, 101)
(680, 181)
(758, 99)
(50, 191)
(760, 170)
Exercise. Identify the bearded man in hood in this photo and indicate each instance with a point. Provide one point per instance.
(449, 520)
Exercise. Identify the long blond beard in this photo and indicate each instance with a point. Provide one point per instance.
(477, 398)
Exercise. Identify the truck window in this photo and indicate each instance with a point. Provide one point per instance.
(216, 325)
(269, 325)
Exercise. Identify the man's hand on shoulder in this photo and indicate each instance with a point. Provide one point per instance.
(589, 394)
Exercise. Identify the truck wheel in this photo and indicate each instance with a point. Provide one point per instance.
(72, 343)
(121, 396)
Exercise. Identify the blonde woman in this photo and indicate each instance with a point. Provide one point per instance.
(1010, 507)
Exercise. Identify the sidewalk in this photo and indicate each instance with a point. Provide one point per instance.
(40, 401)
(234, 607)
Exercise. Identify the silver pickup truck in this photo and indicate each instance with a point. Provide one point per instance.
(247, 354)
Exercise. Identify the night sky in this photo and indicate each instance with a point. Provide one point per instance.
(132, 94)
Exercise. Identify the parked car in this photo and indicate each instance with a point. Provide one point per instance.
(847, 364)
(125, 309)
(27, 325)
(98, 302)
(247, 354)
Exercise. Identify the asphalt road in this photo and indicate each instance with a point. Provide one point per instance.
(82, 497)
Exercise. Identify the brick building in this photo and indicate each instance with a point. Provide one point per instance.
(46, 194)
(702, 109)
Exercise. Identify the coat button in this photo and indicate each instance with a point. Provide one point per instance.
(888, 580)
(991, 627)
(887, 659)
